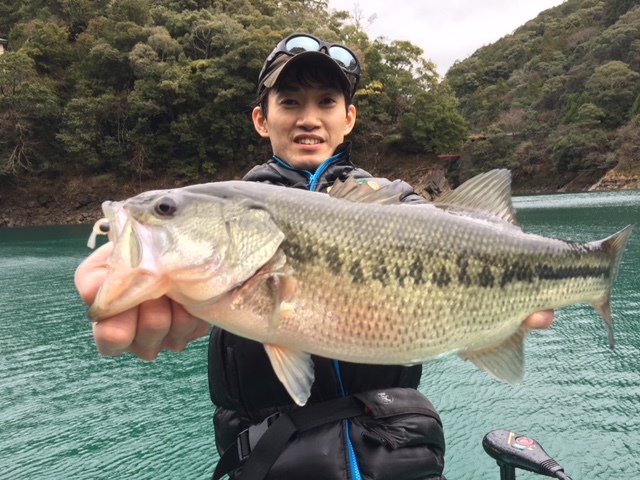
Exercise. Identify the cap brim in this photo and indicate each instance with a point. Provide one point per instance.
(312, 58)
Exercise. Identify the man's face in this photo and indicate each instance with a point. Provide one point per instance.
(305, 125)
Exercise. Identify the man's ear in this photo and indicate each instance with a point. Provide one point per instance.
(351, 119)
(260, 122)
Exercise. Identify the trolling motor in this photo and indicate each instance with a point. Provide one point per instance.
(513, 451)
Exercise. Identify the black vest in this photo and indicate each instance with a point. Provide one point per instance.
(245, 389)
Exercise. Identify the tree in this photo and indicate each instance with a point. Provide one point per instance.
(47, 44)
(614, 87)
(94, 132)
(403, 104)
(166, 87)
(615, 42)
(433, 124)
(29, 114)
(134, 11)
(573, 148)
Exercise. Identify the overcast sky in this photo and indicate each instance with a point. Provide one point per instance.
(446, 30)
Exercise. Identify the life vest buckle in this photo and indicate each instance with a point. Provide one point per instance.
(248, 438)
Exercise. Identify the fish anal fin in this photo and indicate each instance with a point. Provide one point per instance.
(488, 192)
(504, 361)
(294, 369)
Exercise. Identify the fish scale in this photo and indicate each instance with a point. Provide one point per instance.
(350, 276)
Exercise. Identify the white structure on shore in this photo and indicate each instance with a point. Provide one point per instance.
(3, 45)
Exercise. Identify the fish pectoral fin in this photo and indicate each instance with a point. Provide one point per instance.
(283, 288)
(504, 361)
(294, 369)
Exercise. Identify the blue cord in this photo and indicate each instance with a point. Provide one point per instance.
(313, 182)
(313, 177)
(355, 470)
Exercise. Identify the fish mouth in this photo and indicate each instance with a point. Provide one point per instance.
(123, 290)
(134, 271)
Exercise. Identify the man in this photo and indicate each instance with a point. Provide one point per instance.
(305, 110)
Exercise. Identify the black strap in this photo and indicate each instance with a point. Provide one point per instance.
(268, 449)
(275, 438)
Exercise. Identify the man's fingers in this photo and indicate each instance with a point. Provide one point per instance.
(144, 330)
(154, 323)
(184, 329)
(539, 320)
(183, 324)
(115, 335)
(92, 272)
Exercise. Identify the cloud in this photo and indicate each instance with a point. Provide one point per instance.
(446, 31)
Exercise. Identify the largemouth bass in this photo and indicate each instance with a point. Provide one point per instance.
(354, 275)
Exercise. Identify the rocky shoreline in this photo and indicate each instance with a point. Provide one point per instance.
(74, 201)
(614, 181)
(78, 200)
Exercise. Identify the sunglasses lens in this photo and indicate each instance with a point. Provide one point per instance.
(344, 58)
(302, 44)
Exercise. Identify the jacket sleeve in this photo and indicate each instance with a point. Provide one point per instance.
(408, 194)
(403, 189)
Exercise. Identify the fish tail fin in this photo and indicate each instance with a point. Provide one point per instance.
(614, 245)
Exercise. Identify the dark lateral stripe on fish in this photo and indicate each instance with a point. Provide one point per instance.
(301, 253)
(520, 272)
(416, 271)
(546, 272)
(357, 273)
(486, 278)
(333, 260)
(441, 278)
(381, 273)
(469, 270)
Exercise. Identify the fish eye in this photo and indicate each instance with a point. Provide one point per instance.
(166, 207)
(104, 227)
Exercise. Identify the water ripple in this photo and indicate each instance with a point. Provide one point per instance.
(66, 412)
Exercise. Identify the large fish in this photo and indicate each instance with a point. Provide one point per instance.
(354, 275)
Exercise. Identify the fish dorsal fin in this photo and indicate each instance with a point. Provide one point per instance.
(488, 192)
(504, 361)
(364, 190)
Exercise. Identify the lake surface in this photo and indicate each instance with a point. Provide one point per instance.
(68, 413)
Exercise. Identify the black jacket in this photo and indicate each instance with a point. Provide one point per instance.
(245, 389)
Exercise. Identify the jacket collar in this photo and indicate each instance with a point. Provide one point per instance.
(340, 156)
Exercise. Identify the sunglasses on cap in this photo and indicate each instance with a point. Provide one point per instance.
(302, 42)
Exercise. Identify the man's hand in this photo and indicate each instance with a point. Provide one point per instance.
(145, 330)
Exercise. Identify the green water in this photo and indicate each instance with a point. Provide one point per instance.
(68, 413)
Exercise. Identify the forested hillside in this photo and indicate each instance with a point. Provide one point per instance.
(106, 97)
(558, 101)
(164, 88)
